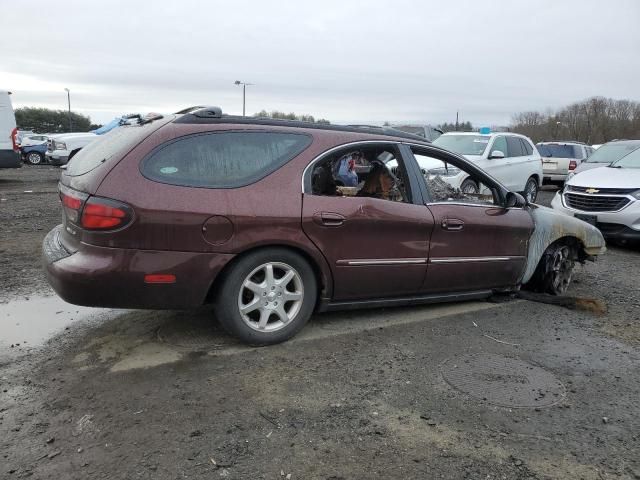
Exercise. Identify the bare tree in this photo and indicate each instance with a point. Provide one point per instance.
(595, 120)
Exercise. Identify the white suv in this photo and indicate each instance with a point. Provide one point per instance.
(607, 197)
(510, 158)
(559, 159)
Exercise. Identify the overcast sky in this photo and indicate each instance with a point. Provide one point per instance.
(346, 61)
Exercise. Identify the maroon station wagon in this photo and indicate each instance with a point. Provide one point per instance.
(270, 221)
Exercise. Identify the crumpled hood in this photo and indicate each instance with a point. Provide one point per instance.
(606, 177)
(551, 225)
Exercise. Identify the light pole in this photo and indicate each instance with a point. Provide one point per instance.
(244, 94)
(69, 103)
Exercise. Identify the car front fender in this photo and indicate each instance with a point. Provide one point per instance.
(550, 226)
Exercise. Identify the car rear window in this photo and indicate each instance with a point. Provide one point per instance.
(552, 150)
(222, 159)
(115, 143)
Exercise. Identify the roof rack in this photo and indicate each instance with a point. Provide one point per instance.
(202, 111)
(215, 115)
(563, 141)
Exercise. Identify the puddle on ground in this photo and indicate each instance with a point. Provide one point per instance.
(29, 323)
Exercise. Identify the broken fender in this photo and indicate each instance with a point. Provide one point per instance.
(550, 226)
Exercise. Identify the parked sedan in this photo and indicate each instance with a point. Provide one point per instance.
(607, 197)
(247, 214)
(34, 154)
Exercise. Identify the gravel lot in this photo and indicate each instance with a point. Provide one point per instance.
(514, 390)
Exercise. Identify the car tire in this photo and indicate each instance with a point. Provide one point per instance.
(267, 296)
(469, 186)
(35, 158)
(531, 190)
(555, 269)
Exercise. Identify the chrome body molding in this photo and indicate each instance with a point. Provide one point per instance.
(471, 259)
(381, 261)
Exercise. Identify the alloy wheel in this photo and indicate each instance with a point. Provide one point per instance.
(531, 190)
(34, 158)
(562, 264)
(271, 296)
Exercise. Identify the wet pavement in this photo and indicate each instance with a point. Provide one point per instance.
(29, 322)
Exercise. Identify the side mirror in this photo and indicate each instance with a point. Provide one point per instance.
(515, 200)
(496, 154)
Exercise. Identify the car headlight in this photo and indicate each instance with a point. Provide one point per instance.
(636, 194)
(445, 172)
(60, 146)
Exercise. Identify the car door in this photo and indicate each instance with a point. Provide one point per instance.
(375, 247)
(476, 243)
(518, 164)
(498, 167)
(533, 161)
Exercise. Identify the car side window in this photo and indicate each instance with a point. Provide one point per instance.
(374, 171)
(500, 143)
(222, 159)
(447, 183)
(514, 147)
(528, 149)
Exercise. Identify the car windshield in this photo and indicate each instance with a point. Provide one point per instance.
(558, 150)
(463, 144)
(632, 160)
(611, 152)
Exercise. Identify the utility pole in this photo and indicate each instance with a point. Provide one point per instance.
(456, 121)
(244, 94)
(69, 104)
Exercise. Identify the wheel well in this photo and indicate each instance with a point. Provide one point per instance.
(535, 175)
(575, 242)
(223, 273)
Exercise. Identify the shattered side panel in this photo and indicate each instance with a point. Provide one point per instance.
(549, 227)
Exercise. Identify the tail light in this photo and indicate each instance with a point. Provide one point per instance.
(72, 202)
(572, 164)
(105, 214)
(94, 213)
(14, 139)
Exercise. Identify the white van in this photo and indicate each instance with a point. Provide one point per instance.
(9, 154)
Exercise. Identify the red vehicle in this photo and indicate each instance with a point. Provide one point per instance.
(246, 214)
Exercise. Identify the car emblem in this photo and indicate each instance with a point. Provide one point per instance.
(592, 190)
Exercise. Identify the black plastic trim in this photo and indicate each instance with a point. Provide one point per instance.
(327, 306)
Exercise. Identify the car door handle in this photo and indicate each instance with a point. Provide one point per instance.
(452, 224)
(328, 219)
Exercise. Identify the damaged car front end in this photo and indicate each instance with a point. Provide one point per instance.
(556, 244)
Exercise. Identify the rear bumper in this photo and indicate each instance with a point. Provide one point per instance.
(554, 177)
(10, 159)
(114, 277)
